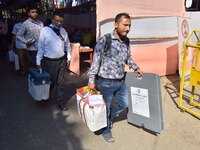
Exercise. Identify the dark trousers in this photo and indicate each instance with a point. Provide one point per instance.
(56, 69)
(25, 60)
(33, 55)
(3, 44)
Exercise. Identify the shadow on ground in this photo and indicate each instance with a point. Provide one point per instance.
(31, 125)
(173, 89)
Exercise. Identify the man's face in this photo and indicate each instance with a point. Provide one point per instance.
(33, 14)
(123, 26)
(57, 20)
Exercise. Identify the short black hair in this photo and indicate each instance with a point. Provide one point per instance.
(31, 7)
(118, 17)
(57, 13)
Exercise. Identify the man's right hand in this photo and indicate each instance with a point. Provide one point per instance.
(39, 67)
(29, 43)
(91, 86)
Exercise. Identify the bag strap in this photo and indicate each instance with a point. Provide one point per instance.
(106, 47)
(108, 42)
(57, 33)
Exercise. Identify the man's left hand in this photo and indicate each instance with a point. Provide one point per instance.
(139, 73)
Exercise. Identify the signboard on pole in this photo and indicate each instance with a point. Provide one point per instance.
(183, 32)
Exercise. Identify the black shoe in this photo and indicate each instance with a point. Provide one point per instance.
(63, 107)
(98, 132)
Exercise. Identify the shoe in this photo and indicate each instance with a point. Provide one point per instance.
(63, 107)
(98, 132)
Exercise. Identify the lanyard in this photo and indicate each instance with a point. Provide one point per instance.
(57, 33)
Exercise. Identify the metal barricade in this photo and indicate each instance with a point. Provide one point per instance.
(190, 76)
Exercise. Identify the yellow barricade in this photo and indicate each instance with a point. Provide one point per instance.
(191, 75)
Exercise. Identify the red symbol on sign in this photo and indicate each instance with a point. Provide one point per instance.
(185, 28)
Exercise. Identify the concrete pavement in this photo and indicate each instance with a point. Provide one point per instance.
(29, 125)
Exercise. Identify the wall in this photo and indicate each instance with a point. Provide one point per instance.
(154, 43)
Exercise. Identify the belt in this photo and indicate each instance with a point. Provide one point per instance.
(20, 49)
(54, 59)
(110, 80)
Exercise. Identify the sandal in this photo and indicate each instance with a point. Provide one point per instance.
(109, 139)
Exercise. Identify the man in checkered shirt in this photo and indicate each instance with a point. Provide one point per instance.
(30, 31)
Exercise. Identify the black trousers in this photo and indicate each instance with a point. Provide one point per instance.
(56, 69)
(3, 45)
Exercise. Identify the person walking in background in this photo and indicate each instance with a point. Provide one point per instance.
(3, 36)
(76, 37)
(86, 37)
(30, 31)
(108, 68)
(54, 48)
(19, 47)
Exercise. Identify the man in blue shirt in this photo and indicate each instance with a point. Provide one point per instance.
(20, 48)
(108, 68)
(53, 49)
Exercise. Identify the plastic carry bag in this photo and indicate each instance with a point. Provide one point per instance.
(10, 55)
(91, 108)
(16, 61)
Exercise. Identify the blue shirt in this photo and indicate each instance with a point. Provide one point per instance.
(18, 43)
(53, 46)
(110, 64)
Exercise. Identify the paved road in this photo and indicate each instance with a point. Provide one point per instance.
(29, 125)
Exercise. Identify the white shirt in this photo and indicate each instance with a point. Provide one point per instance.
(18, 44)
(50, 45)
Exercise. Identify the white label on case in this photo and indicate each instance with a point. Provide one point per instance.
(140, 101)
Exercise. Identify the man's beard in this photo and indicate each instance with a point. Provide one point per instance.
(122, 37)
